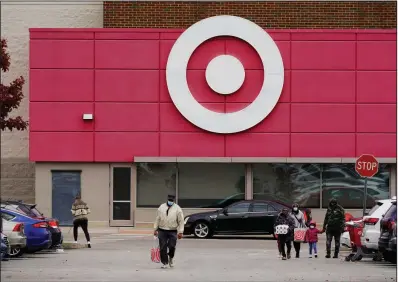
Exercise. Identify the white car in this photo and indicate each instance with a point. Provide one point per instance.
(371, 232)
(16, 236)
(345, 240)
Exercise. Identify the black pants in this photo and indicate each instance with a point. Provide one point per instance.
(167, 244)
(297, 247)
(83, 223)
(329, 237)
(284, 240)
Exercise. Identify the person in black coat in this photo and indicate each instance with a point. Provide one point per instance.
(285, 239)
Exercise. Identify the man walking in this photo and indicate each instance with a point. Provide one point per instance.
(334, 226)
(169, 225)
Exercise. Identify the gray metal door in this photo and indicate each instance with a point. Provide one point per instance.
(65, 186)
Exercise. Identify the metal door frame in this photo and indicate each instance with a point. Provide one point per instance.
(120, 223)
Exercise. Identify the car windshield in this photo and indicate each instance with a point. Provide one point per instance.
(392, 213)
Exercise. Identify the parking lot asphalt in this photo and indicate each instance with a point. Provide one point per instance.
(126, 257)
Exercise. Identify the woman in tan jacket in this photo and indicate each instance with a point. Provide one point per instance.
(80, 211)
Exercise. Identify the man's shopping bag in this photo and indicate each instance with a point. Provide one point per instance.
(155, 251)
(299, 234)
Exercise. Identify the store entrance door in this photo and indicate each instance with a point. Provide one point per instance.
(122, 195)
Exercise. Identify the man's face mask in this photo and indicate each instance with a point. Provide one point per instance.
(170, 202)
(312, 226)
(295, 208)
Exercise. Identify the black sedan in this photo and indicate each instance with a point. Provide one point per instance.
(241, 218)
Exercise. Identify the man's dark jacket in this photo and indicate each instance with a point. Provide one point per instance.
(334, 219)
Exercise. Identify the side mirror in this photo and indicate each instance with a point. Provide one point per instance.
(225, 211)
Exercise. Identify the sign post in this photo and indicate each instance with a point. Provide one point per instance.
(366, 166)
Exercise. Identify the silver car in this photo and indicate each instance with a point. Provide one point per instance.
(16, 237)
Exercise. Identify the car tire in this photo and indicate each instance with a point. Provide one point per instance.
(202, 230)
(16, 252)
(388, 256)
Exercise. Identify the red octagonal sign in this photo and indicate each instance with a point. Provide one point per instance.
(367, 165)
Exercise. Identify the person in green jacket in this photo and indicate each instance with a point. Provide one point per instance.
(334, 224)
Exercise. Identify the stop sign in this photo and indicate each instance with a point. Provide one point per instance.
(367, 165)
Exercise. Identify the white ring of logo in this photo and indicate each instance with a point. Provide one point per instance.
(177, 83)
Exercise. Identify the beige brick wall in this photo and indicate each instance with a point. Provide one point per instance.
(17, 173)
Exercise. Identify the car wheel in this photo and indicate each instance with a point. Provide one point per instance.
(16, 252)
(202, 230)
(387, 256)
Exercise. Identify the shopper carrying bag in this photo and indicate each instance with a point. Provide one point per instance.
(299, 228)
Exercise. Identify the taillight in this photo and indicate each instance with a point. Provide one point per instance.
(17, 227)
(53, 223)
(40, 225)
(388, 224)
(370, 221)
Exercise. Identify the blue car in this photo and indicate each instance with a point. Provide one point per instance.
(38, 236)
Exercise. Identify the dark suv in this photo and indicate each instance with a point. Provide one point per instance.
(31, 211)
(387, 227)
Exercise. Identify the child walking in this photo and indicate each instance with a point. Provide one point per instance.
(312, 238)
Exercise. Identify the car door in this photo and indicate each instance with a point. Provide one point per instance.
(258, 219)
(234, 220)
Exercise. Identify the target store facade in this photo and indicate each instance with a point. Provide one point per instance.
(211, 115)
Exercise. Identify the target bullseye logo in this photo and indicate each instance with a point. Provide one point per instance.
(225, 74)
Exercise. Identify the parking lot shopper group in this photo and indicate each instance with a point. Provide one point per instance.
(294, 226)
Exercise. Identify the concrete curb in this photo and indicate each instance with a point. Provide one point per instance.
(72, 246)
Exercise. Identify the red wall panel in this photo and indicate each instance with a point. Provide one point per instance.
(116, 117)
(127, 54)
(124, 146)
(183, 144)
(378, 144)
(377, 118)
(61, 146)
(58, 116)
(323, 55)
(68, 54)
(323, 86)
(127, 85)
(258, 145)
(377, 55)
(308, 118)
(333, 80)
(61, 85)
(321, 145)
(369, 90)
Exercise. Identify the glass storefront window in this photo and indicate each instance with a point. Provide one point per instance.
(210, 185)
(287, 183)
(154, 182)
(342, 182)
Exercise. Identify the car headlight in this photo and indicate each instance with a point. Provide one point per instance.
(186, 220)
(213, 216)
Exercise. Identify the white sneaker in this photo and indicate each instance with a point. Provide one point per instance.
(171, 262)
(164, 266)
(75, 242)
(310, 256)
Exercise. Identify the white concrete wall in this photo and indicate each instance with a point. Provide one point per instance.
(17, 174)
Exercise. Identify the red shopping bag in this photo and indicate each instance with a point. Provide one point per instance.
(155, 251)
(299, 234)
